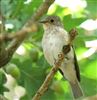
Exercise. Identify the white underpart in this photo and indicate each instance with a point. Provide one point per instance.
(53, 41)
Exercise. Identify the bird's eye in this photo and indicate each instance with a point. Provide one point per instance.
(51, 20)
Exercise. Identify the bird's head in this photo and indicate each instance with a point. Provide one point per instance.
(51, 21)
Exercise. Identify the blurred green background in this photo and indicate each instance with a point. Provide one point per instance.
(28, 68)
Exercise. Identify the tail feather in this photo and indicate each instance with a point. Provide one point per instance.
(76, 90)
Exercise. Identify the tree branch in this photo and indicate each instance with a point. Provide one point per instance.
(48, 79)
(54, 69)
(30, 26)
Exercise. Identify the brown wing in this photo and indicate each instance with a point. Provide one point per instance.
(76, 67)
(65, 50)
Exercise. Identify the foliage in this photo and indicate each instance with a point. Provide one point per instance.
(28, 66)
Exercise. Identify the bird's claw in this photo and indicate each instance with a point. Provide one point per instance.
(59, 60)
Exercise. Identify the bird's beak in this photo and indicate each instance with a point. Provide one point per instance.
(43, 21)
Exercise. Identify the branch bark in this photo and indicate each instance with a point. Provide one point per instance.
(30, 26)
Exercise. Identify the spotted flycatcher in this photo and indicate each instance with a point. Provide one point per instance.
(53, 42)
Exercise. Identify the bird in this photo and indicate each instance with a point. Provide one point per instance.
(55, 38)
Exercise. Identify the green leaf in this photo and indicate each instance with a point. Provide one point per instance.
(89, 86)
(90, 69)
(70, 22)
(92, 8)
